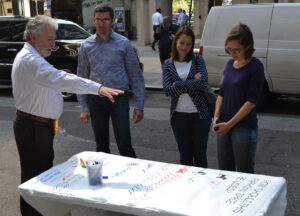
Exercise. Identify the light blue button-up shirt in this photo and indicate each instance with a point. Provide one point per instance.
(114, 64)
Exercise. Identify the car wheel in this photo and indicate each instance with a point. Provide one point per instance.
(66, 95)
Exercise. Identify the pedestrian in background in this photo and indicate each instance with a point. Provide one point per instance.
(182, 18)
(156, 22)
(36, 85)
(184, 77)
(186, 18)
(166, 33)
(110, 58)
(243, 80)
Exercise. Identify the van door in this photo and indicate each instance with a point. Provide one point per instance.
(5, 63)
(284, 49)
(12, 46)
(219, 21)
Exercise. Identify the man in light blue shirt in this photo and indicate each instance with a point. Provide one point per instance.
(182, 18)
(109, 58)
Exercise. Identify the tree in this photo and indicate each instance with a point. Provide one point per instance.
(184, 4)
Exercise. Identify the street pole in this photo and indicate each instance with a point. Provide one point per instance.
(36, 8)
(190, 12)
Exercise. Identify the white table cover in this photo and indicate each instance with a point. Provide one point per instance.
(143, 187)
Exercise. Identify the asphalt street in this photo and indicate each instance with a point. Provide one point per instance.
(277, 152)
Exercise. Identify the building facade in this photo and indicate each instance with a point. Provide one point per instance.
(137, 13)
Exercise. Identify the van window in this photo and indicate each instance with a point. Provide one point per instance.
(4, 30)
(18, 31)
(285, 24)
(249, 16)
(70, 32)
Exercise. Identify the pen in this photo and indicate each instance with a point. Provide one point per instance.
(82, 163)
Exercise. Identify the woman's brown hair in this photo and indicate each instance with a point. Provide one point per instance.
(174, 52)
(243, 35)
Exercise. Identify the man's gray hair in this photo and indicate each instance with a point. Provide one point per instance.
(37, 26)
(167, 19)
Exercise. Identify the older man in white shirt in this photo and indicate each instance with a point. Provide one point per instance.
(38, 100)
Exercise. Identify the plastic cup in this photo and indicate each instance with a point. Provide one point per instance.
(94, 171)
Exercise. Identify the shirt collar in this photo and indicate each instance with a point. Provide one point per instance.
(28, 46)
(112, 36)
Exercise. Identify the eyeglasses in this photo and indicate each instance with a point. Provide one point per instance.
(104, 21)
(233, 50)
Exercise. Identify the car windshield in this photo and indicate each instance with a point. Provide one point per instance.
(70, 32)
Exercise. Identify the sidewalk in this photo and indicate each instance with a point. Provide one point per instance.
(152, 67)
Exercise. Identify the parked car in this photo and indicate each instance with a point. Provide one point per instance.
(276, 32)
(69, 37)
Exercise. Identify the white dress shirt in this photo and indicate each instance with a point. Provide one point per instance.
(185, 103)
(157, 18)
(37, 84)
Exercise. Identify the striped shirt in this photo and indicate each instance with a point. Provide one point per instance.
(114, 64)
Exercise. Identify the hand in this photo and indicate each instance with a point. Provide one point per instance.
(85, 117)
(223, 128)
(215, 126)
(109, 92)
(137, 115)
(67, 70)
(197, 76)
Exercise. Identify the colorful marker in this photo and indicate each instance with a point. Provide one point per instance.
(82, 163)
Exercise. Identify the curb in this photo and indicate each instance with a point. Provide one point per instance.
(154, 88)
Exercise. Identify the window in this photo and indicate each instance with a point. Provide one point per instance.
(9, 10)
(4, 30)
(70, 32)
(18, 31)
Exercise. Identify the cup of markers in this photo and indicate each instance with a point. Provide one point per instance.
(94, 171)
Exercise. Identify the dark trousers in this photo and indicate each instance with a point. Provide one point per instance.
(155, 35)
(34, 140)
(164, 53)
(191, 134)
(101, 110)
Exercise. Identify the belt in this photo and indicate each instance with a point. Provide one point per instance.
(34, 118)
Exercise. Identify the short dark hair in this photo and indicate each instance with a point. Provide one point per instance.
(174, 53)
(243, 35)
(158, 10)
(104, 8)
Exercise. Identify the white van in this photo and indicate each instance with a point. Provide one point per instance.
(276, 32)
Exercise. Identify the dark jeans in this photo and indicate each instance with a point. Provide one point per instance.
(191, 134)
(155, 35)
(236, 150)
(35, 146)
(101, 109)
